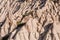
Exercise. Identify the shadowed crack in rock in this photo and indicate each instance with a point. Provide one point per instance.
(37, 12)
(6, 37)
(46, 29)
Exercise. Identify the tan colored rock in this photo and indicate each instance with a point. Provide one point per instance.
(29, 20)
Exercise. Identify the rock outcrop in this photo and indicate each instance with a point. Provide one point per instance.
(29, 19)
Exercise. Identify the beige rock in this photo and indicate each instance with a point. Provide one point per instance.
(30, 19)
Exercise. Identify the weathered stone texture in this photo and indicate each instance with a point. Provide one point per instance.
(29, 19)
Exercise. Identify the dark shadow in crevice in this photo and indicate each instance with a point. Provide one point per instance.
(0, 10)
(18, 29)
(56, 1)
(42, 4)
(46, 30)
(52, 35)
(59, 18)
(44, 22)
(2, 23)
(6, 37)
(17, 8)
(33, 3)
(21, 0)
(9, 27)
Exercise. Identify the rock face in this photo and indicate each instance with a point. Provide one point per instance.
(29, 19)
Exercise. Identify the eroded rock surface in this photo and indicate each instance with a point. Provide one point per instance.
(29, 19)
